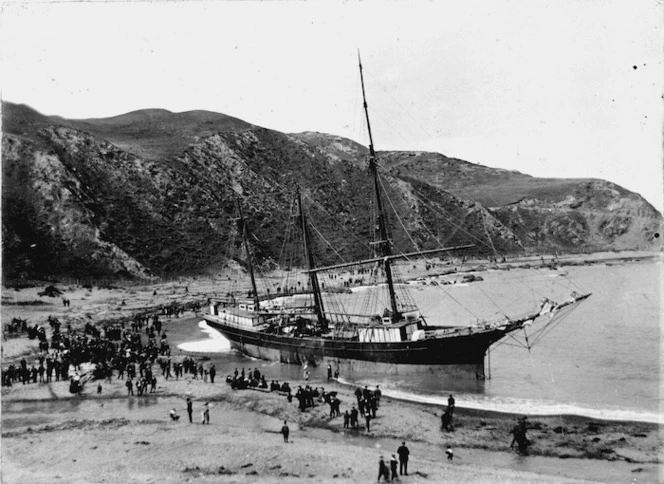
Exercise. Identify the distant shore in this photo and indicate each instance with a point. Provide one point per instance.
(123, 439)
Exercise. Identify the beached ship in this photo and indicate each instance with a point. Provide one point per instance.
(314, 327)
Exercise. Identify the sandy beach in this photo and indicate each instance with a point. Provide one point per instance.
(50, 435)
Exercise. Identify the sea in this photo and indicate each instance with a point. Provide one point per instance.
(603, 360)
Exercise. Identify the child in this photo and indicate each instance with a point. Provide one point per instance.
(450, 454)
(205, 417)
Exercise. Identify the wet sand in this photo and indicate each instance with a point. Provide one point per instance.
(51, 436)
(48, 435)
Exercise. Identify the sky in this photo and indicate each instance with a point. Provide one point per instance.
(564, 88)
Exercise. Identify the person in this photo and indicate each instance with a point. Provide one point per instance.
(130, 387)
(382, 470)
(450, 453)
(206, 414)
(353, 417)
(329, 371)
(403, 459)
(519, 436)
(393, 467)
(174, 415)
(98, 388)
(446, 420)
(190, 409)
(450, 405)
(367, 417)
(285, 431)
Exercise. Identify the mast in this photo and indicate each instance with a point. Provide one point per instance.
(243, 230)
(384, 243)
(313, 275)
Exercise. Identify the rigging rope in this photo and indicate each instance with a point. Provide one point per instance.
(396, 214)
(430, 203)
(326, 241)
(334, 220)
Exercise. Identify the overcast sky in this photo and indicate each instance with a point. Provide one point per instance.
(559, 88)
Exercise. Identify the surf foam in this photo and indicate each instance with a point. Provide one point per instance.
(215, 342)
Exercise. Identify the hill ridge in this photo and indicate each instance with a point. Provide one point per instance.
(128, 198)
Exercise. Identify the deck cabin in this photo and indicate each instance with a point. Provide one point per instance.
(390, 333)
(237, 312)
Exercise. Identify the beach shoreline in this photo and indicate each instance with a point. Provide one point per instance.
(565, 448)
(250, 417)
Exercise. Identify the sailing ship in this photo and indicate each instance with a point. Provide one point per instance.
(313, 328)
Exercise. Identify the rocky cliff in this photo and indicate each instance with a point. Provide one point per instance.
(155, 193)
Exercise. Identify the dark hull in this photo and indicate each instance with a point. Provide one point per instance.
(461, 355)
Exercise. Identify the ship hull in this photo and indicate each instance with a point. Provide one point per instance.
(459, 356)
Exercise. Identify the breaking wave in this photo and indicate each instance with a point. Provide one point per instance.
(214, 343)
(530, 407)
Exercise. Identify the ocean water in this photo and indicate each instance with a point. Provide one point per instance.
(603, 360)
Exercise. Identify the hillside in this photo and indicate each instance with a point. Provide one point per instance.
(155, 193)
(545, 214)
(550, 214)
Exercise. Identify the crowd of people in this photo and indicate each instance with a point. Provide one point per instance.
(116, 348)
(134, 349)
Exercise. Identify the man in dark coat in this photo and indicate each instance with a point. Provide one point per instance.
(450, 405)
(285, 431)
(190, 410)
(383, 471)
(403, 459)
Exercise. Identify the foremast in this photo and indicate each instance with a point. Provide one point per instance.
(313, 274)
(243, 233)
(383, 247)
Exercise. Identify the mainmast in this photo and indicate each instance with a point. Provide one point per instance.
(243, 231)
(313, 275)
(383, 244)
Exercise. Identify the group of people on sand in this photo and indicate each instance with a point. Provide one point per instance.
(307, 396)
(117, 347)
(253, 379)
(205, 412)
(384, 471)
